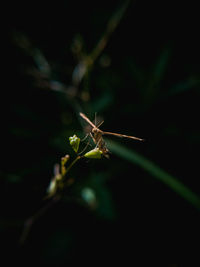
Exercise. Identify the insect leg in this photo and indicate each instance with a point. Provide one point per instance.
(88, 143)
(92, 138)
(95, 118)
(84, 138)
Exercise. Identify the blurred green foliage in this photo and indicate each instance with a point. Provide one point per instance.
(137, 65)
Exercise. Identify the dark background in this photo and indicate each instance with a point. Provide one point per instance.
(144, 83)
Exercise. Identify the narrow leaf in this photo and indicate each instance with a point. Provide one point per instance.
(155, 171)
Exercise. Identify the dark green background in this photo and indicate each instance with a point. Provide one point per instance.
(150, 89)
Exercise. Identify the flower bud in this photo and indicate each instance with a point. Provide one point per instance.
(94, 154)
(63, 162)
(74, 142)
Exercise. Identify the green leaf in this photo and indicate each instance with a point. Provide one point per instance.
(155, 171)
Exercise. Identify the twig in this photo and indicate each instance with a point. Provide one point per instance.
(111, 26)
(30, 221)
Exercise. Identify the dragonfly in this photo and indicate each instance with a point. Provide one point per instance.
(96, 135)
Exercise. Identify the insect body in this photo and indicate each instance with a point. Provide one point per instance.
(99, 141)
(96, 135)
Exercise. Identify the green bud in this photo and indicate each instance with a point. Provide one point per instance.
(74, 142)
(64, 159)
(63, 162)
(94, 154)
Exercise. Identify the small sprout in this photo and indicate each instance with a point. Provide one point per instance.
(63, 162)
(58, 177)
(52, 188)
(74, 142)
(56, 169)
(57, 174)
(64, 159)
(95, 153)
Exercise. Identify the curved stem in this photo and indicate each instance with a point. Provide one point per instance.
(30, 221)
(73, 162)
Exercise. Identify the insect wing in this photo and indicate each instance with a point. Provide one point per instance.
(86, 119)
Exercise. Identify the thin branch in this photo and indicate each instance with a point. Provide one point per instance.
(30, 221)
(111, 26)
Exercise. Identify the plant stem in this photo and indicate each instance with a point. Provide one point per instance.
(30, 221)
(73, 162)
